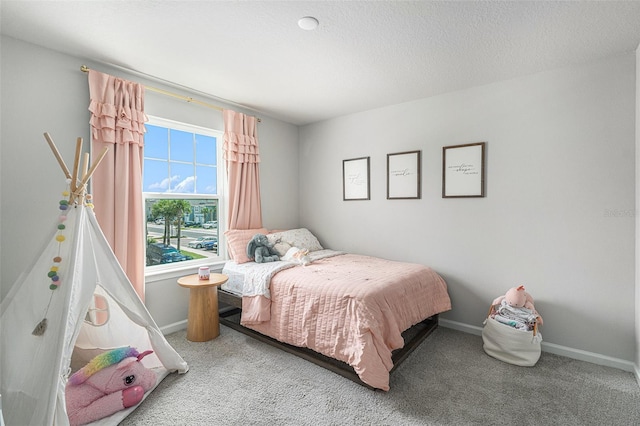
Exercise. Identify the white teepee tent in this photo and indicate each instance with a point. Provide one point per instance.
(75, 265)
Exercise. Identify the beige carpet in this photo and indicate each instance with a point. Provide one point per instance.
(448, 380)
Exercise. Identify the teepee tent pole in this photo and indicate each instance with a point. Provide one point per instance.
(76, 164)
(77, 188)
(85, 165)
(86, 178)
(52, 145)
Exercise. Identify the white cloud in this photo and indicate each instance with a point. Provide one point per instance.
(186, 185)
(163, 185)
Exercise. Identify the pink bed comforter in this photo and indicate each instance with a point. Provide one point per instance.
(352, 308)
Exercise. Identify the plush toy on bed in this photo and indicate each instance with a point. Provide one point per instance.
(261, 250)
(297, 255)
(519, 298)
(110, 382)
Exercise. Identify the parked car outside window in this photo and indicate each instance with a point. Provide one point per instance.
(158, 253)
(200, 242)
(211, 245)
(210, 224)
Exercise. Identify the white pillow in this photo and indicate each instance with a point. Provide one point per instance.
(279, 245)
(302, 238)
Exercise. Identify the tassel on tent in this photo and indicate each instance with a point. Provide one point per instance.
(40, 328)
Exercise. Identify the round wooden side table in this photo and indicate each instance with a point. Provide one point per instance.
(203, 322)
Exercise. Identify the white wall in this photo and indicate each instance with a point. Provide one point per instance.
(558, 215)
(45, 91)
(637, 366)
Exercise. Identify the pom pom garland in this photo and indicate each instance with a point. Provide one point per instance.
(63, 205)
(60, 238)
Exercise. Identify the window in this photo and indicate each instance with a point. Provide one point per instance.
(182, 193)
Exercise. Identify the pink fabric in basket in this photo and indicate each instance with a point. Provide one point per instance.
(352, 308)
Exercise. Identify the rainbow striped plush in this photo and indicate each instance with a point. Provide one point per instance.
(101, 361)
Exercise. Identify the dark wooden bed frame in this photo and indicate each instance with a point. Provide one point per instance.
(230, 308)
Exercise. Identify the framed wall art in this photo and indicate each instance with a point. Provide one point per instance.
(403, 175)
(463, 170)
(355, 179)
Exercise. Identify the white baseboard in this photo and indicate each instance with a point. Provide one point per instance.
(172, 328)
(552, 348)
(592, 357)
(471, 329)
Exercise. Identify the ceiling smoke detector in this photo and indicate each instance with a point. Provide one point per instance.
(308, 23)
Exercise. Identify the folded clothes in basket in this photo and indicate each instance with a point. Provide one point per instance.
(519, 318)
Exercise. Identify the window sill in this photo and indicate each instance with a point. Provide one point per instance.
(174, 272)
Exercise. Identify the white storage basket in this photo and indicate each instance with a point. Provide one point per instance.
(511, 345)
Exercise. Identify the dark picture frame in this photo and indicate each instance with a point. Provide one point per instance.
(355, 179)
(463, 170)
(404, 175)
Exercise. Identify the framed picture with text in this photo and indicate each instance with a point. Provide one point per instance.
(355, 179)
(463, 170)
(403, 175)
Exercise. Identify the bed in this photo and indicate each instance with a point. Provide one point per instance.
(359, 316)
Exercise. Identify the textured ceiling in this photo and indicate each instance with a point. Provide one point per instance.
(363, 55)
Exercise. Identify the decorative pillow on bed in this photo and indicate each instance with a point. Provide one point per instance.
(302, 238)
(237, 240)
(280, 247)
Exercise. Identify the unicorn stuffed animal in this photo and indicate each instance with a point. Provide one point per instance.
(110, 382)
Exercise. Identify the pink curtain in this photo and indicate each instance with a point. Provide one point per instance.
(117, 122)
(242, 157)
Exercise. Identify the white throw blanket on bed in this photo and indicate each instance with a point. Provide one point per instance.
(257, 280)
(257, 276)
